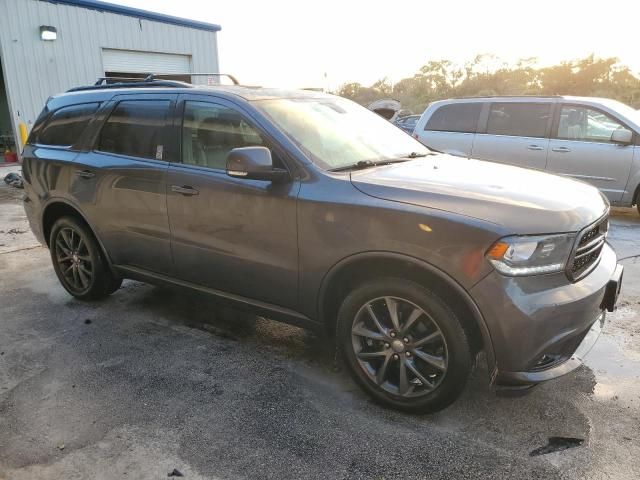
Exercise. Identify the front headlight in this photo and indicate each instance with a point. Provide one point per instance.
(531, 255)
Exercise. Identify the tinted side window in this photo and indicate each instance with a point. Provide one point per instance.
(136, 128)
(519, 119)
(211, 131)
(455, 117)
(65, 125)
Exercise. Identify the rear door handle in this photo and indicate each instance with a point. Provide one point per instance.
(85, 174)
(561, 149)
(535, 147)
(184, 190)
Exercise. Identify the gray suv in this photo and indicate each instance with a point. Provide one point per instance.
(595, 140)
(309, 209)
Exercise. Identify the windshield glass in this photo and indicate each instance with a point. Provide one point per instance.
(626, 110)
(336, 133)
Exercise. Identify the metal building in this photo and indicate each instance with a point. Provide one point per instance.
(49, 46)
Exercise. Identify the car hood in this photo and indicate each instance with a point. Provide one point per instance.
(521, 200)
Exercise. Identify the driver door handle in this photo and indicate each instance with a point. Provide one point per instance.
(535, 147)
(184, 190)
(561, 149)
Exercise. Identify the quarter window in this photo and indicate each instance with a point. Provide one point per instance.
(455, 117)
(211, 131)
(64, 126)
(586, 124)
(136, 128)
(519, 119)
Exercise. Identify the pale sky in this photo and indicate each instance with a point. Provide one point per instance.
(292, 44)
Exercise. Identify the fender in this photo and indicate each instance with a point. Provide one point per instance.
(72, 204)
(421, 264)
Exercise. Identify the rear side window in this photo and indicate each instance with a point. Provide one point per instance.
(519, 119)
(136, 128)
(455, 117)
(64, 126)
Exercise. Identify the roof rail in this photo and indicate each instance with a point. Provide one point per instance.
(129, 83)
(467, 97)
(153, 76)
(150, 80)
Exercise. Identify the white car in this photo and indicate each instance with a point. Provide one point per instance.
(592, 139)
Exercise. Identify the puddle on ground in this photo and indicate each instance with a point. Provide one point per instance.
(616, 369)
(557, 444)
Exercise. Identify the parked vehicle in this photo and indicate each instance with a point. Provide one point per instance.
(309, 209)
(407, 123)
(591, 139)
(387, 108)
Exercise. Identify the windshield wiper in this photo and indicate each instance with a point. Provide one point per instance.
(416, 155)
(362, 164)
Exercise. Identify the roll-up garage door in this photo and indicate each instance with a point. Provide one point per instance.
(144, 62)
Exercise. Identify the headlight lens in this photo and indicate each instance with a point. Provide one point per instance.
(531, 255)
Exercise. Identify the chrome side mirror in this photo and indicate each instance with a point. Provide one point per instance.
(622, 136)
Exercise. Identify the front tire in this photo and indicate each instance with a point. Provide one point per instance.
(79, 262)
(403, 345)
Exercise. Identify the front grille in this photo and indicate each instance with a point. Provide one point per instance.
(588, 249)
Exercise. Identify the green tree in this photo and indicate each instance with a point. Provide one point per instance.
(487, 74)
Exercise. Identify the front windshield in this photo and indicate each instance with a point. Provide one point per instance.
(336, 133)
(626, 110)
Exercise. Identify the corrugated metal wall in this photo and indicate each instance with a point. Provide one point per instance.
(35, 70)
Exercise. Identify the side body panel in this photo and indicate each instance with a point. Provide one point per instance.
(235, 235)
(126, 199)
(336, 221)
(633, 184)
(453, 143)
(526, 152)
(603, 165)
(585, 154)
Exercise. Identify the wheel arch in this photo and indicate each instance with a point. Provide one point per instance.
(636, 195)
(58, 207)
(356, 268)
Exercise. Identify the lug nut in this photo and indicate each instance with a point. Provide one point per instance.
(405, 340)
(393, 334)
(395, 356)
(386, 345)
(408, 354)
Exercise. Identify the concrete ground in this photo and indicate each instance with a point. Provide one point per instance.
(152, 380)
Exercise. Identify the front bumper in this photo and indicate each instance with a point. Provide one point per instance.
(542, 326)
(560, 368)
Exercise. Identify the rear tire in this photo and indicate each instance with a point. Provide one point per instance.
(78, 261)
(403, 345)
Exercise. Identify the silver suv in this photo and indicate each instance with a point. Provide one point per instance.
(592, 139)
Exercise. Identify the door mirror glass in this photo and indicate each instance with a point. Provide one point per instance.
(254, 163)
(622, 135)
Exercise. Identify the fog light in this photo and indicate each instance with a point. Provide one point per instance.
(545, 361)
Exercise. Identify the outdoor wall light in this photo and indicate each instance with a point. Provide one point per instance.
(47, 33)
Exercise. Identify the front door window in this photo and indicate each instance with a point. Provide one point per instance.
(211, 131)
(586, 124)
